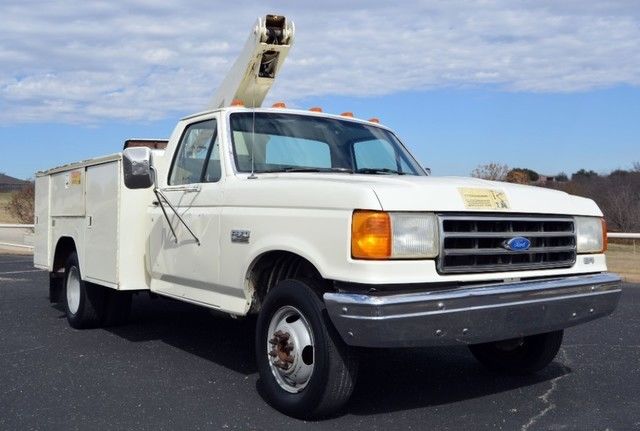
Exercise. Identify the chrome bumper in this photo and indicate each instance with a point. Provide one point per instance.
(472, 314)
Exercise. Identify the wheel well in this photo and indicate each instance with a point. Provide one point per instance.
(272, 267)
(64, 248)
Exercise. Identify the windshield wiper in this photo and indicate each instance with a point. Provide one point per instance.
(379, 171)
(304, 169)
(301, 169)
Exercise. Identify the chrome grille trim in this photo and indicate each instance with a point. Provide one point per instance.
(473, 243)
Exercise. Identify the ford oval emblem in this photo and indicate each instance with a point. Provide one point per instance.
(518, 243)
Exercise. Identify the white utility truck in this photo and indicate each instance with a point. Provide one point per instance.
(326, 228)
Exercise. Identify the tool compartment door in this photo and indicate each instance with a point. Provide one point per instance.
(101, 243)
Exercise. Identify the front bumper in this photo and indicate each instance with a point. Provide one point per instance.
(472, 314)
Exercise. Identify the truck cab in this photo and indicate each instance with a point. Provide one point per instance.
(276, 202)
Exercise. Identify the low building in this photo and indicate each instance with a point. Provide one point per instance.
(545, 179)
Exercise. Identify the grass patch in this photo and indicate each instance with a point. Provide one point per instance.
(624, 260)
(5, 217)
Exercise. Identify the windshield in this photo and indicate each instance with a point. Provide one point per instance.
(304, 143)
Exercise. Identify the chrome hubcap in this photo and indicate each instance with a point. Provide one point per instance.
(290, 349)
(73, 290)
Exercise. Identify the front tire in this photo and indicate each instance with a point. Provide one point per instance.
(83, 302)
(524, 355)
(306, 369)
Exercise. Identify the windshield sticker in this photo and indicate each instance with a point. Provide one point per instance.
(485, 199)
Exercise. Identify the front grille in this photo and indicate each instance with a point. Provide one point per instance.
(471, 244)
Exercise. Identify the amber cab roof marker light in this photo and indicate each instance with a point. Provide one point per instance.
(279, 105)
(374, 120)
(315, 109)
(347, 114)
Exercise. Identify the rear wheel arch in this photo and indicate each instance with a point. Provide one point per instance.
(65, 246)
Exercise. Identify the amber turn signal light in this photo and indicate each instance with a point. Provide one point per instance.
(605, 236)
(371, 235)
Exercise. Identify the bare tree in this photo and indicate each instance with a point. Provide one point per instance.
(620, 199)
(636, 167)
(491, 171)
(617, 195)
(22, 204)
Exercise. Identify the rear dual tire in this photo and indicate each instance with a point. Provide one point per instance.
(88, 305)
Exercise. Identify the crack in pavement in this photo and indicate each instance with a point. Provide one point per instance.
(545, 398)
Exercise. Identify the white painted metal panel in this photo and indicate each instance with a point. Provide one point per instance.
(67, 191)
(69, 227)
(101, 223)
(42, 228)
(132, 232)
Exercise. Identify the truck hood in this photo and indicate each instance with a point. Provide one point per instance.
(406, 193)
(412, 193)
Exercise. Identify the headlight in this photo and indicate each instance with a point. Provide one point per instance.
(591, 233)
(401, 235)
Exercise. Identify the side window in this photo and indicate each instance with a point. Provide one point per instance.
(193, 153)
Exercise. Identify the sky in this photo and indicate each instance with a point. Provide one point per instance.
(552, 86)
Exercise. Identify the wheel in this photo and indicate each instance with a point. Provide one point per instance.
(306, 370)
(83, 302)
(519, 355)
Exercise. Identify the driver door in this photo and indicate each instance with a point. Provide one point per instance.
(182, 265)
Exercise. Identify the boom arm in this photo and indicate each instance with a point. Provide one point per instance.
(255, 70)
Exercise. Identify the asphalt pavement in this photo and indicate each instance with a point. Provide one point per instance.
(177, 366)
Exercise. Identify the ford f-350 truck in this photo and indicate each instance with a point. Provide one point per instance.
(329, 230)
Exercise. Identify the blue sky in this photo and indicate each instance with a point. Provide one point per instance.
(553, 86)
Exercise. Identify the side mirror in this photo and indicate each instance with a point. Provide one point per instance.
(136, 168)
(427, 170)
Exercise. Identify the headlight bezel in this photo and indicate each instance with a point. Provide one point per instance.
(394, 235)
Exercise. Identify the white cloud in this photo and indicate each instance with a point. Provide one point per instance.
(140, 60)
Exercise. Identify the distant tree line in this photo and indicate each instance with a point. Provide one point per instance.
(617, 193)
